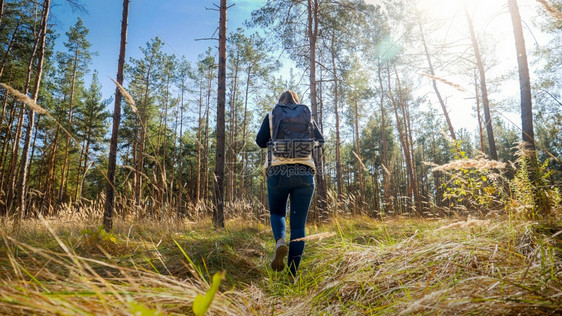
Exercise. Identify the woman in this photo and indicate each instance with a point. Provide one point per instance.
(289, 175)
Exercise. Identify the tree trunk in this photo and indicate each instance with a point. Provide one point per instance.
(1, 11)
(410, 145)
(181, 187)
(432, 72)
(230, 189)
(361, 191)
(339, 180)
(541, 202)
(387, 205)
(480, 130)
(9, 48)
(321, 192)
(7, 136)
(11, 196)
(6, 150)
(49, 184)
(199, 147)
(524, 78)
(403, 140)
(79, 171)
(218, 215)
(84, 170)
(143, 119)
(205, 192)
(32, 155)
(483, 88)
(162, 146)
(244, 130)
(110, 186)
(66, 163)
(83, 167)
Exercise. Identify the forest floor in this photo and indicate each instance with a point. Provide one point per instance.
(494, 266)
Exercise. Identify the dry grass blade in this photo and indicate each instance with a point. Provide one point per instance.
(318, 236)
(24, 99)
(128, 98)
(479, 164)
(135, 170)
(471, 222)
(360, 161)
(69, 284)
(385, 169)
(445, 81)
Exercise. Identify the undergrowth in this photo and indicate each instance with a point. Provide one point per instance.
(356, 265)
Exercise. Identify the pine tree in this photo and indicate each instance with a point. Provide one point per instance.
(145, 74)
(92, 124)
(77, 58)
(22, 184)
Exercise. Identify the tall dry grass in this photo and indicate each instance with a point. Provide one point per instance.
(354, 265)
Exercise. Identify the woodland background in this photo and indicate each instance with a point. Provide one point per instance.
(412, 214)
(372, 74)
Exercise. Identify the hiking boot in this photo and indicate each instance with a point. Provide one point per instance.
(278, 263)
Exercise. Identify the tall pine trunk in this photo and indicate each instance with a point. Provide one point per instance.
(65, 166)
(218, 214)
(361, 191)
(10, 46)
(339, 180)
(244, 130)
(206, 158)
(181, 186)
(387, 205)
(112, 163)
(1, 11)
(432, 72)
(402, 131)
(231, 156)
(12, 173)
(199, 147)
(540, 199)
(480, 130)
(483, 88)
(321, 193)
(143, 120)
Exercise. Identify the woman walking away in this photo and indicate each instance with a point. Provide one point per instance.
(292, 138)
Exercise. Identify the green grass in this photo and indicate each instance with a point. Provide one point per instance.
(369, 267)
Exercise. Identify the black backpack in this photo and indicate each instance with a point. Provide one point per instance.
(291, 131)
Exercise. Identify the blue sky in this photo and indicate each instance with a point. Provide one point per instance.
(178, 22)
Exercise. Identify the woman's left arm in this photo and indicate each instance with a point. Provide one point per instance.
(263, 135)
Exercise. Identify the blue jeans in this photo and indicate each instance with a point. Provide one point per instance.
(299, 187)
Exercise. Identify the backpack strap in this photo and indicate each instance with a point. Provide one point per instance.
(269, 144)
(271, 124)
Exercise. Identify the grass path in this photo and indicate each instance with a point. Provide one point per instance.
(351, 266)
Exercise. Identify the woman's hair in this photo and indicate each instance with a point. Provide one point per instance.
(289, 97)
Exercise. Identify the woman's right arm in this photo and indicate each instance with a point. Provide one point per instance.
(317, 134)
(263, 137)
